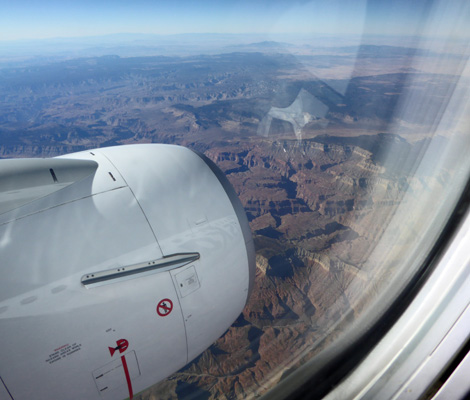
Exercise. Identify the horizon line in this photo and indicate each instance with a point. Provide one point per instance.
(265, 34)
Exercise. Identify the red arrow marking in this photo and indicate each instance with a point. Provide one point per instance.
(164, 307)
(122, 345)
(128, 377)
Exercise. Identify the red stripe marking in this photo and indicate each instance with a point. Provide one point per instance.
(128, 378)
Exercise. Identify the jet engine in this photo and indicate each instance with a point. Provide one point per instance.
(118, 266)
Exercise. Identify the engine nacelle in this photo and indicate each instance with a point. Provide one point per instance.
(118, 266)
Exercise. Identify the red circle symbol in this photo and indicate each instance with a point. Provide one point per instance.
(164, 307)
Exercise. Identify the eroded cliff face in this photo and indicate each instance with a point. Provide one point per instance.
(316, 211)
(317, 207)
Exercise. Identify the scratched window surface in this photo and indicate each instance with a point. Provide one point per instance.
(343, 128)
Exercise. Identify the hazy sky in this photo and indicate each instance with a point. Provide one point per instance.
(29, 19)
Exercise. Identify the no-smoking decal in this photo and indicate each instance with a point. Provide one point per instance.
(164, 307)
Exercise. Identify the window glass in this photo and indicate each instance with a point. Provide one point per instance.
(343, 127)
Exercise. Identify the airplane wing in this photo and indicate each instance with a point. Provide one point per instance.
(25, 180)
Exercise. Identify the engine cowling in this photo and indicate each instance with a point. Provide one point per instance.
(118, 267)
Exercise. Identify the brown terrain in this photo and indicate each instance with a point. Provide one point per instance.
(316, 212)
(316, 206)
